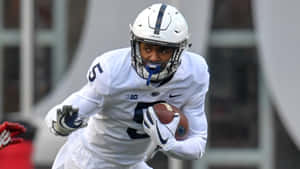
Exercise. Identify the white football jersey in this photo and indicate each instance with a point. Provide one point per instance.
(115, 130)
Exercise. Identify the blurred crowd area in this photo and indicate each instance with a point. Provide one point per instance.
(232, 55)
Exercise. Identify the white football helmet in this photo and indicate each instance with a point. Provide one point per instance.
(159, 24)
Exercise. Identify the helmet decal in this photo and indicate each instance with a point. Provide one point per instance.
(159, 18)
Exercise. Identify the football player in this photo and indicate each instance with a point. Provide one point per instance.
(8, 133)
(122, 85)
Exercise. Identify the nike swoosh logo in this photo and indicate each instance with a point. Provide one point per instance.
(175, 95)
(149, 117)
(163, 141)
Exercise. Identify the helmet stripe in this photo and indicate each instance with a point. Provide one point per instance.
(159, 18)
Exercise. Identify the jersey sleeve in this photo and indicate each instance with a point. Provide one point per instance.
(193, 147)
(99, 75)
(86, 100)
(89, 99)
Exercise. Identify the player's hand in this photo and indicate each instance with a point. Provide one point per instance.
(67, 121)
(162, 134)
(8, 133)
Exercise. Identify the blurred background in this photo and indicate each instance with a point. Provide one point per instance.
(251, 47)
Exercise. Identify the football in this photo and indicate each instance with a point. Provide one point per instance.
(165, 113)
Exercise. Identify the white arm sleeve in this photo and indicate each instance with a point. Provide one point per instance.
(193, 147)
(86, 99)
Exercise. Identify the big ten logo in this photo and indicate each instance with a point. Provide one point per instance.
(132, 96)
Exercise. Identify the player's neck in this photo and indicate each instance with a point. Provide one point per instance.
(162, 82)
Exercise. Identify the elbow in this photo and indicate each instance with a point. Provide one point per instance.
(196, 156)
(200, 155)
(201, 149)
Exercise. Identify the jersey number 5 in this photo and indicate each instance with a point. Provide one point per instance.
(92, 73)
(138, 117)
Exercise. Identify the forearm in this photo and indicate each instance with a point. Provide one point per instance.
(85, 100)
(87, 106)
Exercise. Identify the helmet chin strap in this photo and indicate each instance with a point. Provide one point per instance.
(152, 69)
